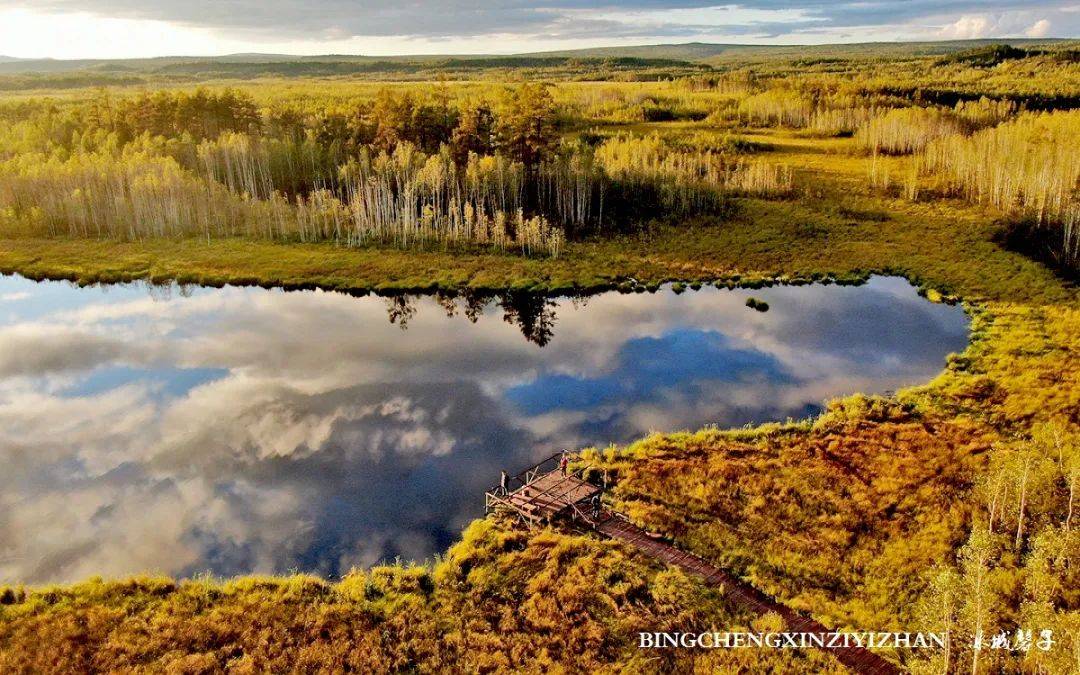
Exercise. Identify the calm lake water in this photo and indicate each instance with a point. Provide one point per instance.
(243, 430)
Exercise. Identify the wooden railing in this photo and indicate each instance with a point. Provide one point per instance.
(529, 475)
(498, 496)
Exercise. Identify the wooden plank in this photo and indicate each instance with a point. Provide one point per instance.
(552, 493)
(743, 595)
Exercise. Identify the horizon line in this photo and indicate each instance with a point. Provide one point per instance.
(552, 51)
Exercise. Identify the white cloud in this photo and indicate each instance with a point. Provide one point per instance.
(40, 349)
(1036, 22)
(1040, 28)
(969, 28)
(32, 34)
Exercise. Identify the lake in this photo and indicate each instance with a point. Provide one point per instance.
(243, 430)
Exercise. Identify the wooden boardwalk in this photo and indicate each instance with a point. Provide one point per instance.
(542, 494)
(739, 593)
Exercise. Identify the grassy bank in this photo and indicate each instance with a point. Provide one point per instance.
(818, 236)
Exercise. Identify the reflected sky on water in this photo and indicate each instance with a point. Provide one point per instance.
(243, 430)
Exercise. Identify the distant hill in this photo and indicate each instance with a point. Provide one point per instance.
(691, 55)
(690, 51)
(718, 53)
(262, 65)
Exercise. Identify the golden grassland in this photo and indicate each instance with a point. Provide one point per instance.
(577, 604)
(946, 507)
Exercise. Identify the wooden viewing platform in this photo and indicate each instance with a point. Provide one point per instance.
(543, 494)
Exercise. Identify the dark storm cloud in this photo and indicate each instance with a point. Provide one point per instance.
(561, 19)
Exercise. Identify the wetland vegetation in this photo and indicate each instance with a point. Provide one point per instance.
(948, 506)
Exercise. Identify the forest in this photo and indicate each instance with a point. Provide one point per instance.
(950, 506)
(524, 166)
(412, 168)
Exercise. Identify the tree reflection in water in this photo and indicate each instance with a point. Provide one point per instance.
(533, 313)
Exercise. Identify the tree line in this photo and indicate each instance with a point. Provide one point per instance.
(405, 167)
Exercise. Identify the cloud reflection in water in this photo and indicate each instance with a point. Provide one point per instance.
(246, 430)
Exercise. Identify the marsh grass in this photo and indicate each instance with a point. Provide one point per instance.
(876, 492)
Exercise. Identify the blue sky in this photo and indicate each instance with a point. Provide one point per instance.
(135, 28)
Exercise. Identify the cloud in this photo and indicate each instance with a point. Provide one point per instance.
(1031, 21)
(1040, 28)
(335, 20)
(41, 350)
(968, 27)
